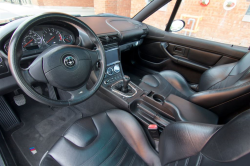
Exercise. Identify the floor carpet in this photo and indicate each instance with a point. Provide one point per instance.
(44, 125)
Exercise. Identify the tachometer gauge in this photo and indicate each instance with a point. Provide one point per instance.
(68, 39)
(32, 41)
(52, 36)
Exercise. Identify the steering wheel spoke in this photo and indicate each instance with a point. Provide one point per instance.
(94, 55)
(79, 94)
(26, 75)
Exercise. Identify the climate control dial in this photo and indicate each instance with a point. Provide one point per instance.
(110, 71)
(117, 68)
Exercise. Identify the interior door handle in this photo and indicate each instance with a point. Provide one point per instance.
(179, 49)
(182, 61)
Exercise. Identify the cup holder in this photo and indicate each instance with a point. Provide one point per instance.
(158, 98)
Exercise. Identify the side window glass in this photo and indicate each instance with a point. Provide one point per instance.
(224, 21)
(160, 18)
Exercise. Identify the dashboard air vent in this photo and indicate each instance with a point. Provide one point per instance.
(109, 39)
(110, 46)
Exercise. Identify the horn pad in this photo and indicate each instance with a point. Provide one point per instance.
(67, 67)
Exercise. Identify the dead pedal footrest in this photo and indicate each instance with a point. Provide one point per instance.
(8, 119)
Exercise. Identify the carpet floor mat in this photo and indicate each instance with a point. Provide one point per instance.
(93, 105)
(44, 125)
(40, 133)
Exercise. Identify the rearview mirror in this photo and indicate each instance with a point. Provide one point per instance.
(177, 25)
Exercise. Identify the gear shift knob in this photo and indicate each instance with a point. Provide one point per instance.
(126, 80)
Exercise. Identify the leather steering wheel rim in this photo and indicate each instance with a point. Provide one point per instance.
(24, 77)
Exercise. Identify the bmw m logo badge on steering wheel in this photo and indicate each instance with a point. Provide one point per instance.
(69, 61)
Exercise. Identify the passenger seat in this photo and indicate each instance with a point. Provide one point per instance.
(222, 89)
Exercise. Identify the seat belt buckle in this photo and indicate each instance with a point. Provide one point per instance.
(153, 131)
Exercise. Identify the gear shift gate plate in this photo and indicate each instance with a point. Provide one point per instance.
(117, 88)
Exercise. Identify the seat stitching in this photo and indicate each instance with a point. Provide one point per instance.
(142, 163)
(199, 160)
(111, 138)
(123, 156)
(81, 126)
(187, 162)
(223, 79)
(112, 154)
(243, 74)
(225, 85)
(133, 159)
(229, 100)
(54, 159)
(191, 139)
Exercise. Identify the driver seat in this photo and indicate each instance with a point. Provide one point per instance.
(116, 138)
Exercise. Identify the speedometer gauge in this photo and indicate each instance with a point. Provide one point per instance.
(52, 36)
(31, 41)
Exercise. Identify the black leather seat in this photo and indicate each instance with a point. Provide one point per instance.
(116, 138)
(222, 89)
(110, 138)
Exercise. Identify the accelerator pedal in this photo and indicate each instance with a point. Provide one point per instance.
(8, 119)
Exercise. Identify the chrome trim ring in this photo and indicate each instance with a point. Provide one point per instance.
(123, 94)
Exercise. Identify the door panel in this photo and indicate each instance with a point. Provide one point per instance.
(188, 56)
(203, 57)
(153, 52)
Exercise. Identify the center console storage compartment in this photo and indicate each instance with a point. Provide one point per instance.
(155, 108)
(148, 114)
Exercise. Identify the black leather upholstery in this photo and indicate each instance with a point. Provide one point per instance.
(183, 140)
(186, 144)
(186, 111)
(116, 138)
(222, 89)
(166, 83)
(110, 138)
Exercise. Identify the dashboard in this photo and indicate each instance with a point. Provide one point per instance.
(115, 33)
(41, 37)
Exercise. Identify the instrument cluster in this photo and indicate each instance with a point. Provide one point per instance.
(41, 37)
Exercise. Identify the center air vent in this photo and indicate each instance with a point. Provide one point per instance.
(109, 39)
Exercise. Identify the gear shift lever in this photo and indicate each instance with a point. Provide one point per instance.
(126, 80)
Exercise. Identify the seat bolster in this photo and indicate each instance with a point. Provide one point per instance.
(189, 112)
(48, 160)
(182, 140)
(149, 80)
(231, 142)
(75, 135)
(166, 83)
(178, 82)
(133, 133)
(214, 76)
(225, 98)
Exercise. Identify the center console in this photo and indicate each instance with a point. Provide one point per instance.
(120, 90)
(147, 107)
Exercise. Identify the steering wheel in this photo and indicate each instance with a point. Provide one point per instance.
(66, 67)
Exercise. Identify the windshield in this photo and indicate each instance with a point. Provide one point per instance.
(15, 9)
